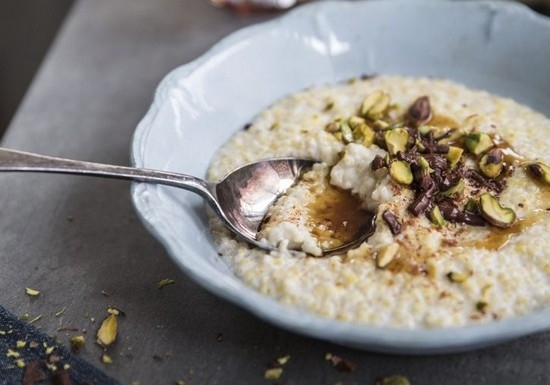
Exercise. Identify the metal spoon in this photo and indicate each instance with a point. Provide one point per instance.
(241, 199)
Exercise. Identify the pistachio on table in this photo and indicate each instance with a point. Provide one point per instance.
(401, 172)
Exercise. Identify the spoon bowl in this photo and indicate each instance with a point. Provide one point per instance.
(241, 199)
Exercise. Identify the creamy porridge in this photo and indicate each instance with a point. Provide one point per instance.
(457, 183)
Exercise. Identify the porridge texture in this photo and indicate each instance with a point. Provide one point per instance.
(457, 183)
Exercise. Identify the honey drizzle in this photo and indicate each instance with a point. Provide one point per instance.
(336, 217)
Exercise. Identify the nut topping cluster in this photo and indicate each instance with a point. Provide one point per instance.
(456, 176)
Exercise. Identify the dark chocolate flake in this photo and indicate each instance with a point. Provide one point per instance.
(377, 163)
(392, 221)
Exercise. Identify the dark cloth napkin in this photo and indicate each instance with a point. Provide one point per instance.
(29, 357)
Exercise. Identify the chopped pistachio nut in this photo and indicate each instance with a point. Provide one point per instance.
(77, 342)
(494, 213)
(457, 277)
(540, 171)
(472, 205)
(375, 105)
(20, 344)
(436, 217)
(482, 306)
(386, 255)
(165, 282)
(454, 190)
(401, 172)
(393, 380)
(425, 129)
(106, 359)
(114, 310)
(20, 363)
(454, 135)
(273, 373)
(31, 292)
(107, 332)
(283, 360)
(491, 163)
(13, 354)
(355, 129)
(478, 142)
(454, 155)
(424, 165)
(396, 140)
(49, 350)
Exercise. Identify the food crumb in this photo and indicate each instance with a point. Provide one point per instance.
(340, 364)
(273, 373)
(31, 292)
(77, 342)
(165, 282)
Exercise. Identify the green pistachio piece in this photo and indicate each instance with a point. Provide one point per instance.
(472, 206)
(401, 172)
(540, 171)
(454, 155)
(375, 105)
(386, 255)
(332, 127)
(478, 142)
(494, 213)
(491, 163)
(436, 217)
(362, 133)
(457, 277)
(425, 129)
(454, 190)
(424, 165)
(396, 140)
(347, 133)
(452, 136)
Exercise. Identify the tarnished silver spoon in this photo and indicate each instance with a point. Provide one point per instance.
(241, 199)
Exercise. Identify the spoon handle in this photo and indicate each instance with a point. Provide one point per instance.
(13, 160)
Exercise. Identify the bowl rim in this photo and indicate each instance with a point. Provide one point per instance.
(382, 339)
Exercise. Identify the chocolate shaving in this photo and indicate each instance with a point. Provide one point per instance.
(393, 223)
(422, 203)
(452, 213)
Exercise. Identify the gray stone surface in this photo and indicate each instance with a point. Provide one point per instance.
(78, 238)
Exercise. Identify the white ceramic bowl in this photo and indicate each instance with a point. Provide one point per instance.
(498, 46)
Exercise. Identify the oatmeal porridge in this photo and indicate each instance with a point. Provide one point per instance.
(454, 180)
